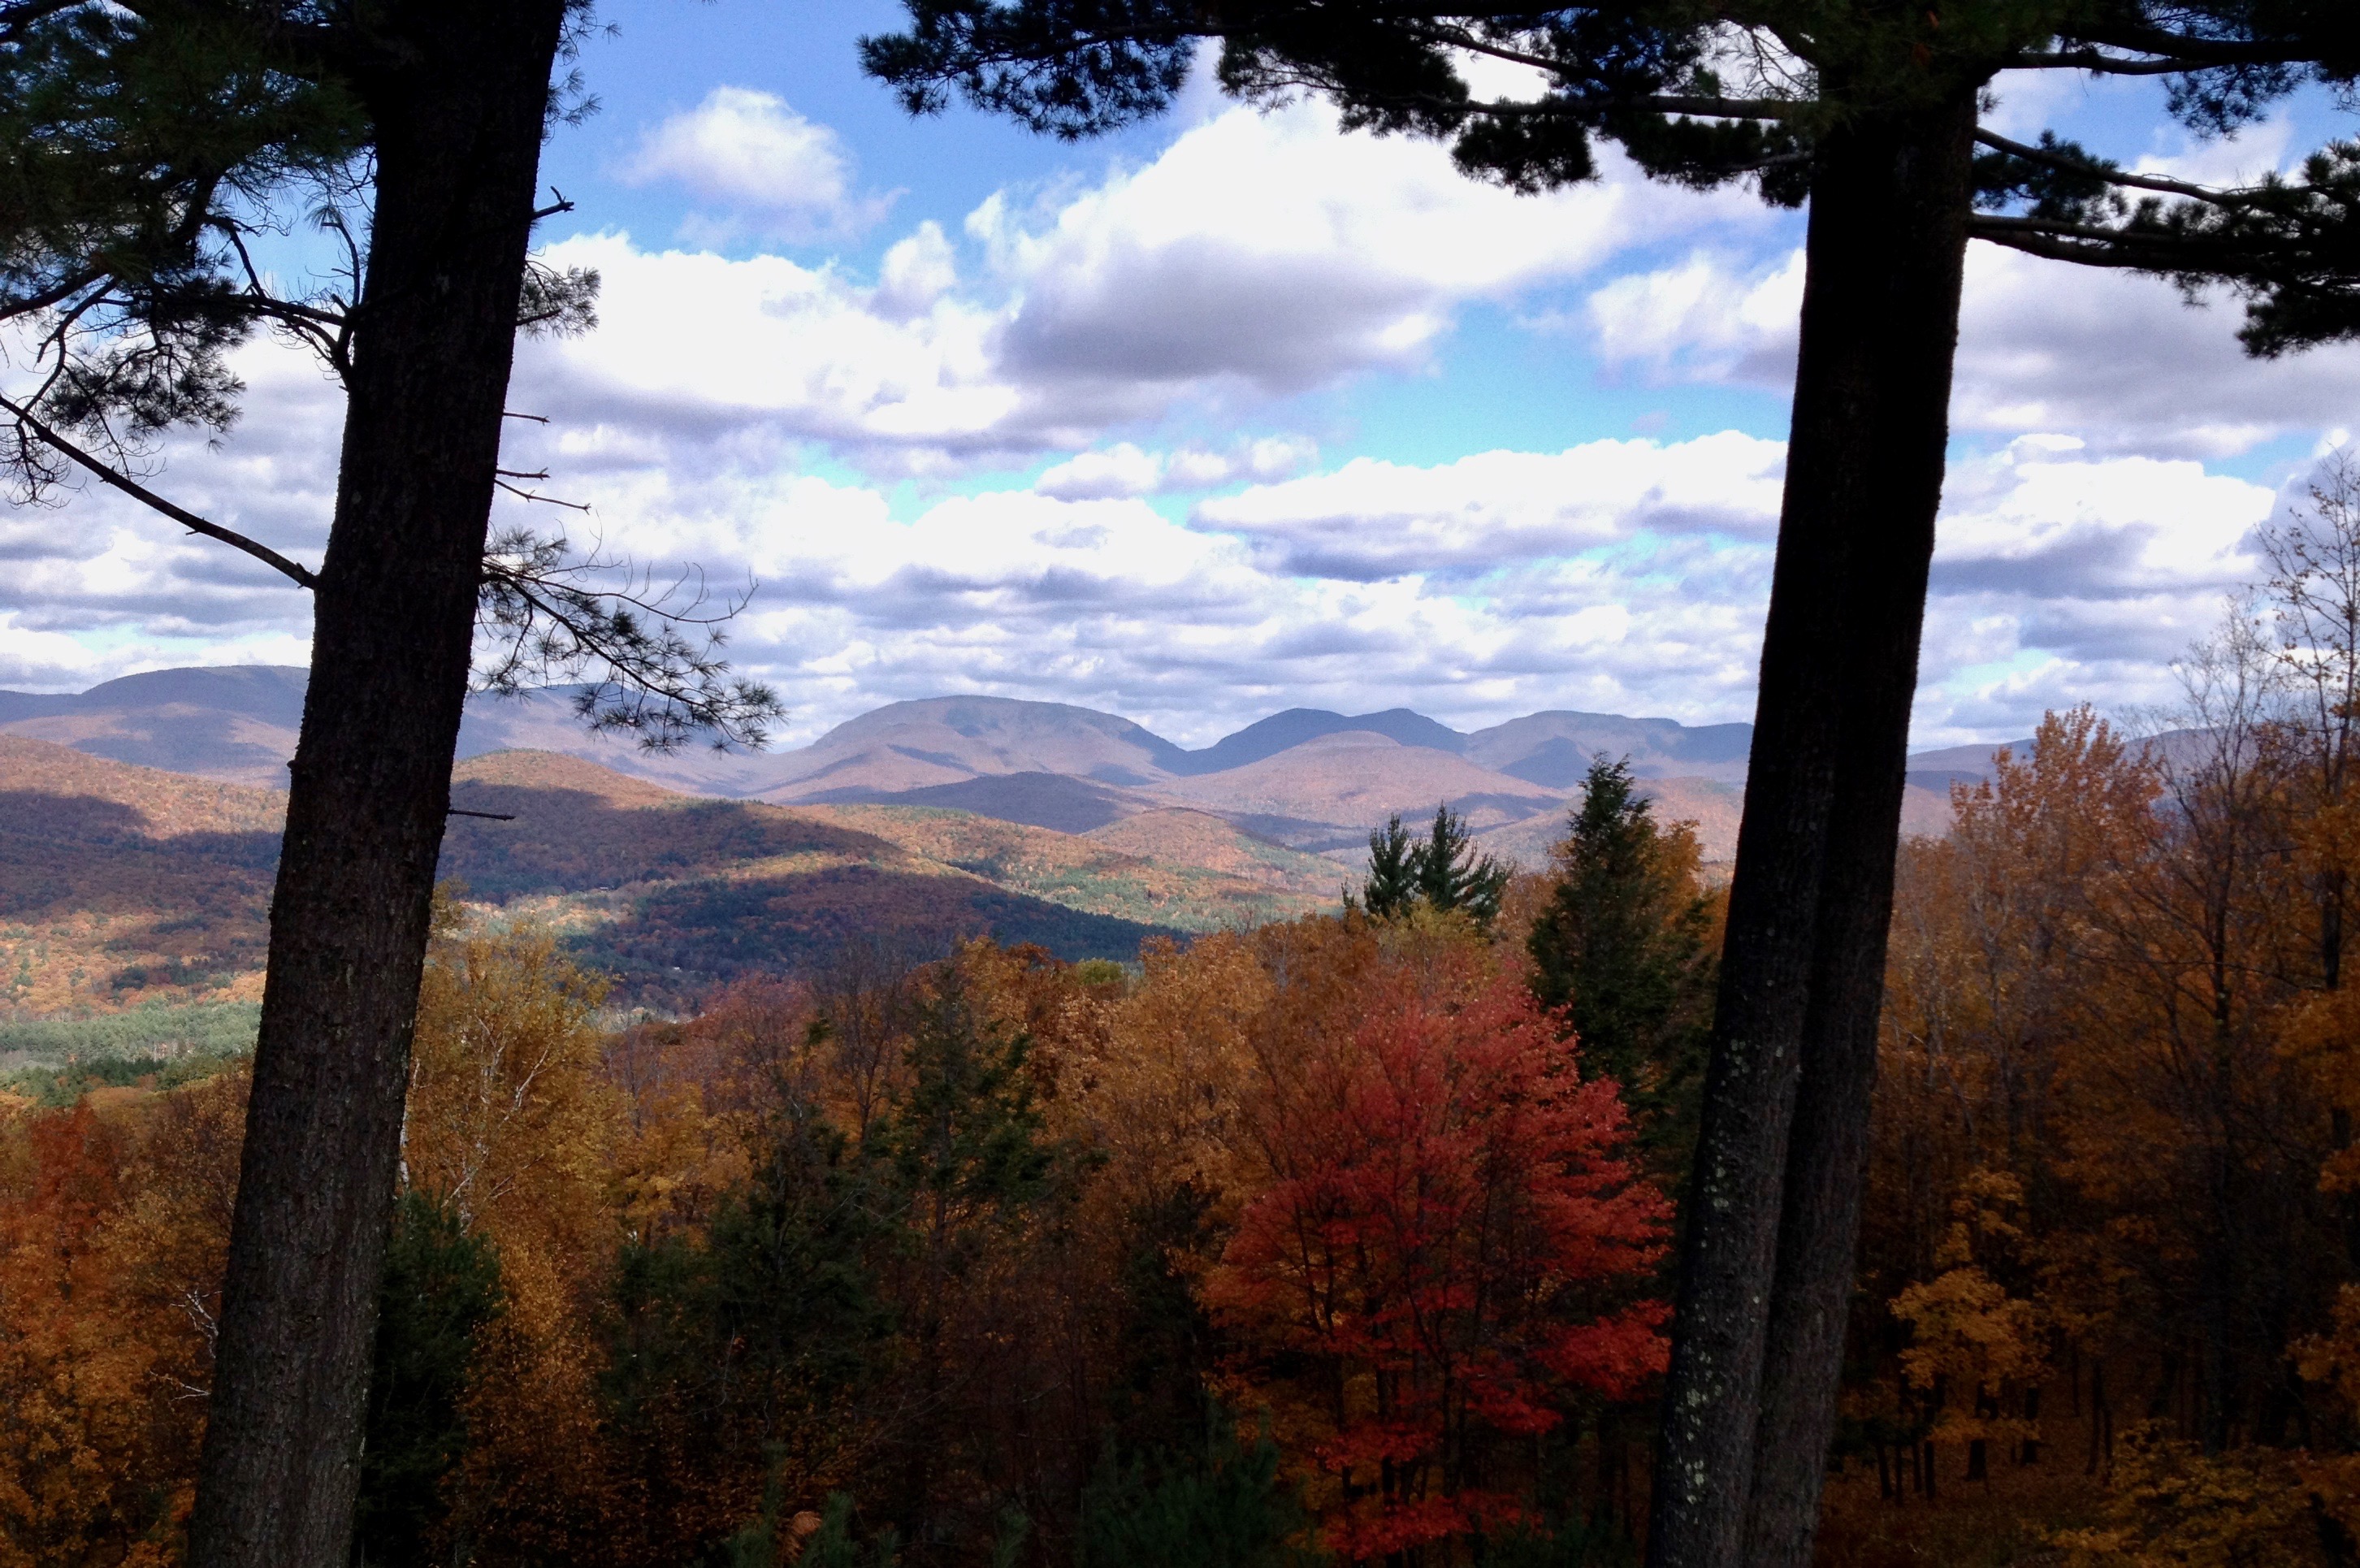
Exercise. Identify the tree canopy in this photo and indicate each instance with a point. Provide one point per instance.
(1444, 871)
(1703, 95)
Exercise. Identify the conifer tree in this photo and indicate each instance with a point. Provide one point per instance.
(1868, 110)
(1453, 874)
(1445, 871)
(441, 1286)
(1391, 889)
(1625, 948)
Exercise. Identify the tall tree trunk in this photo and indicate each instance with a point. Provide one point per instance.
(1775, 1194)
(460, 95)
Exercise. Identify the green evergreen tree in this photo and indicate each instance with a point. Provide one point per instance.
(778, 1312)
(1453, 874)
(1626, 947)
(1391, 890)
(1444, 872)
(1224, 1508)
(441, 1286)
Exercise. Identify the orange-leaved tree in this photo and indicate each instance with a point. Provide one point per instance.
(1453, 1247)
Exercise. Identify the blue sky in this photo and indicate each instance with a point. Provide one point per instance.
(1231, 412)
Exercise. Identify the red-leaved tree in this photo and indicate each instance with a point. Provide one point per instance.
(1452, 1249)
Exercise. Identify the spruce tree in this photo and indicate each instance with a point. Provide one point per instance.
(1391, 890)
(1867, 110)
(1453, 874)
(1443, 872)
(1623, 946)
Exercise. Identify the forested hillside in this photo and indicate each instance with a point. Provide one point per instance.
(1008, 1259)
(122, 886)
(1012, 1259)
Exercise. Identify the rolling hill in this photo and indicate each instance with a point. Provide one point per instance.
(237, 723)
(120, 883)
(122, 886)
(1303, 782)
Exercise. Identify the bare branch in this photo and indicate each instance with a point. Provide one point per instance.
(2103, 64)
(545, 501)
(2047, 158)
(107, 475)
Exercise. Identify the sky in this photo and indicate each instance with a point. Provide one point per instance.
(1232, 413)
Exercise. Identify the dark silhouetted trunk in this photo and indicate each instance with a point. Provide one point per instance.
(459, 94)
(1776, 1193)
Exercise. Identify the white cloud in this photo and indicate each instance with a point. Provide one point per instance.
(761, 164)
(1123, 469)
(1371, 519)
(2120, 360)
(1260, 255)
(1268, 249)
(753, 415)
(1698, 322)
(2060, 577)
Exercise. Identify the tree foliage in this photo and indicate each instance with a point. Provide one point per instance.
(1444, 871)
(1446, 1251)
(1627, 945)
(1705, 95)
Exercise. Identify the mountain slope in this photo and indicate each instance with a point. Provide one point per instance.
(122, 884)
(1282, 731)
(1105, 875)
(1557, 748)
(1326, 793)
(1314, 779)
(977, 735)
(236, 722)
(1058, 801)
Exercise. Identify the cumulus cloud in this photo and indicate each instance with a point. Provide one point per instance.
(756, 415)
(1123, 469)
(1372, 519)
(1269, 248)
(1624, 575)
(2062, 578)
(1704, 319)
(759, 166)
(1260, 255)
(2121, 361)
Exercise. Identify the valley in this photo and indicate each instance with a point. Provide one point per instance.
(141, 829)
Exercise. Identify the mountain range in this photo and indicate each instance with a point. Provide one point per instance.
(121, 885)
(1304, 779)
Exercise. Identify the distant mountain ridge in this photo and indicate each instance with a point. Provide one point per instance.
(1308, 778)
(182, 714)
(121, 885)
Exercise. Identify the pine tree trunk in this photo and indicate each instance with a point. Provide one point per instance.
(1776, 1193)
(459, 94)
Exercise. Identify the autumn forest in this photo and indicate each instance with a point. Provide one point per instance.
(1343, 1239)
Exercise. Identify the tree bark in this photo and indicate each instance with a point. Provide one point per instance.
(1775, 1200)
(459, 94)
